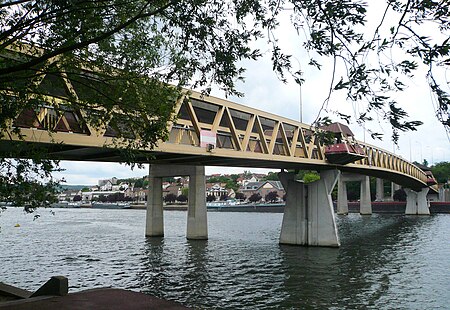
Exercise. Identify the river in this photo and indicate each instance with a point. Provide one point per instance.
(384, 262)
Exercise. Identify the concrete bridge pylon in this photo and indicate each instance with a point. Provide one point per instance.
(308, 215)
(416, 202)
(364, 202)
(197, 225)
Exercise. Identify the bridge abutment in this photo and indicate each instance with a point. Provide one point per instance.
(308, 216)
(416, 202)
(197, 227)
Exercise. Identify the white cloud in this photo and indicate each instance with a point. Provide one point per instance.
(88, 173)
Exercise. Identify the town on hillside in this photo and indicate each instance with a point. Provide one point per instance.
(246, 187)
(240, 188)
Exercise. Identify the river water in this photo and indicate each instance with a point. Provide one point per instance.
(385, 261)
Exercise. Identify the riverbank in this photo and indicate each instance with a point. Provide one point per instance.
(395, 207)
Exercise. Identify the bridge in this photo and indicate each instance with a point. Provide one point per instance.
(215, 132)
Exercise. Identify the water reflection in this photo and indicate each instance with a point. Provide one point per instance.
(385, 261)
(310, 276)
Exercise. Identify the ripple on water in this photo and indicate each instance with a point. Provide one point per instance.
(385, 261)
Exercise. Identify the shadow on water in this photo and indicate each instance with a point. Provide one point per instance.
(356, 274)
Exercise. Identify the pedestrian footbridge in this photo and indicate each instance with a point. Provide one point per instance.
(209, 131)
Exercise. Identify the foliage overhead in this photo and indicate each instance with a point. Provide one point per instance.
(119, 58)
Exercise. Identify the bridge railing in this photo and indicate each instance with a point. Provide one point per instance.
(243, 129)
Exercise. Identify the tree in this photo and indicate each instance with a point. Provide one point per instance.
(102, 198)
(441, 172)
(240, 196)
(399, 195)
(210, 198)
(271, 196)
(182, 198)
(223, 197)
(113, 60)
(139, 183)
(308, 176)
(77, 198)
(170, 198)
(185, 191)
(271, 176)
(254, 197)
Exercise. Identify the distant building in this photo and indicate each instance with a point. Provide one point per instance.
(174, 189)
(216, 190)
(107, 184)
(263, 188)
(68, 195)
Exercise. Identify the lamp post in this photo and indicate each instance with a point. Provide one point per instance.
(431, 150)
(300, 91)
(421, 157)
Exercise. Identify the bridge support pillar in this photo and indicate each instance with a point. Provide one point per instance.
(308, 216)
(197, 227)
(365, 204)
(154, 220)
(342, 201)
(416, 202)
(394, 187)
(379, 195)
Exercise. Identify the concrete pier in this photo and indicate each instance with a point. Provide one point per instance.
(394, 187)
(342, 202)
(197, 227)
(365, 200)
(154, 219)
(416, 202)
(308, 216)
(379, 194)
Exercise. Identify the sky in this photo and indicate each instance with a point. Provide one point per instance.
(264, 91)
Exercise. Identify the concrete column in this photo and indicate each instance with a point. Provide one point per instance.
(342, 202)
(394, 187)
(365, 204)
(197, 219)
(308, 217)
(416, 202)
(154, 221)
(379, 196)
(197, 227)
(294, 228)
